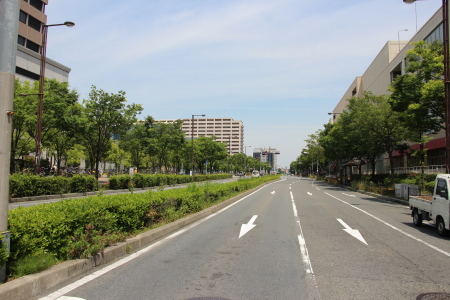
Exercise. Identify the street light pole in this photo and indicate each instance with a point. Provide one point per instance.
(399, 39)
(41, 92)
(245, 150)
(192, 142)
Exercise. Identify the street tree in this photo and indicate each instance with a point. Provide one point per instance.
(57, 115)
(207, 149)
(314, 151)
(104, 115)
(237, 162)
(165, 138)
(135, 142)
(75, 155)
(375, 115)
(418, 95)
(119, 157)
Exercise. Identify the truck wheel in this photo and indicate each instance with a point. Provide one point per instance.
(440, 224)
(417, 218)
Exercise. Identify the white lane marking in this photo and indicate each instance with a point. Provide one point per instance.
(273, 192)
(247, 227)
(353, 232)
(348, 195)
(309, 193)
(57, 294)
(304, 250)
(393, 227)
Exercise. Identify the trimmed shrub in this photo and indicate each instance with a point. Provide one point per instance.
(34, 185)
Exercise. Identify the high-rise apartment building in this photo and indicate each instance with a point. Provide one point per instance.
(226, 130)
(32, 17)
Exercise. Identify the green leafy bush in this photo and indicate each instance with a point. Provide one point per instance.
(139, 180)
(83, 184)
(3, 254)
(33, 185)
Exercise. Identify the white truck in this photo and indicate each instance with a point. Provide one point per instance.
(434, 208)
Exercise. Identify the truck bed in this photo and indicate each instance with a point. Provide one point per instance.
(421, 202)
(427, 198)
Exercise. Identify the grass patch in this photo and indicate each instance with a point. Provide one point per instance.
(32, 264)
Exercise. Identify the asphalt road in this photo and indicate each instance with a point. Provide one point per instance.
(309, 241)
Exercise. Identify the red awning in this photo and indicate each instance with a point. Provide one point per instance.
(431, 145)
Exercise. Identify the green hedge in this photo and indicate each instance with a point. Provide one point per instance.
(82, 227)
(35, 185)
(384, 180)
(153, 180)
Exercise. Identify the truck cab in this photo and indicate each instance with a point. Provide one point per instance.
(435, 208)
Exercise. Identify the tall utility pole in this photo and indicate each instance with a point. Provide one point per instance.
(192, 143)
(9, 26)
(45, 27)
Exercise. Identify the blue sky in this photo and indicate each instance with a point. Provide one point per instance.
(277, 65)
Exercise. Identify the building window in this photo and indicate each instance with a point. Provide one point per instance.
(436, 34)
(38, 4)
(32, 46)
(34, 23)
(397, 71)
(23, 17)
(27, 73)
(21, 40)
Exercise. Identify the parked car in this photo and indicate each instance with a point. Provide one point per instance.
(255, 174)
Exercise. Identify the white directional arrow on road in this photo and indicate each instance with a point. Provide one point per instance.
(247, 227)
(353, 232)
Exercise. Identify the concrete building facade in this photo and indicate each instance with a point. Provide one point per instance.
(389, 63)
(268, 155)
(32, 17)
(226, 130)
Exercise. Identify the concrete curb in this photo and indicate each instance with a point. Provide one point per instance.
(34, 285)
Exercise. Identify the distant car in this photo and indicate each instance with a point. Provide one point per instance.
(255, 174)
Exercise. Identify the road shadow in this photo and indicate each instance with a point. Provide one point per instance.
(426, 228)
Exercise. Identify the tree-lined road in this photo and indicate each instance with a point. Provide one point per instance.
(292, 239)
